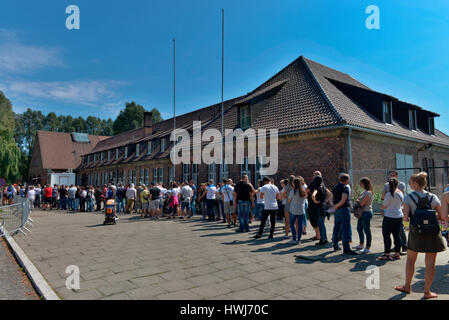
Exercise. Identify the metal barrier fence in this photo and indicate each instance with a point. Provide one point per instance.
(15, 218)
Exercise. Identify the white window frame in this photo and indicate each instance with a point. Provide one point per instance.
(116, 154)
(149, 147)
(171, 177)
(109, 155)
(126, 152)
(102, 155)
(146, 178)
(163, 145)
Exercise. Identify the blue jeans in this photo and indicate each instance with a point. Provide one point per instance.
(63, 203)
(90, 204)
(71, 204)
(342, 221)
(243, 213)
(321, 226)
(210, 203)
(363, 227)
(77, 205)
(258, 211)
(193, 205)
(120, 204)
(296, 233)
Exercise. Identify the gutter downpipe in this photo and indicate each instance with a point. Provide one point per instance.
(350, 155)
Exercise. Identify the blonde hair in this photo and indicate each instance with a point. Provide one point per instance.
(420, 179)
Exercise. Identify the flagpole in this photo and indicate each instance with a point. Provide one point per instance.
(222, 95)
(174, 105)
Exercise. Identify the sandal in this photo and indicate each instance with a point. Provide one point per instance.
(402, 289)
(396, 257)
(384, 257)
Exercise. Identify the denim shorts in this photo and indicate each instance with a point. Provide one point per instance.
(185, 205)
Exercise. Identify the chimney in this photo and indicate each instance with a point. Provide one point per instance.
(148, 123)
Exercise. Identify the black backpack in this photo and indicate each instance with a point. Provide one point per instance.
(424, 220)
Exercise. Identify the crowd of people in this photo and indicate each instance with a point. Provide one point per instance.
(295, 203)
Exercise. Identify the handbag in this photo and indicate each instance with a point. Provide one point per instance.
(358, 210)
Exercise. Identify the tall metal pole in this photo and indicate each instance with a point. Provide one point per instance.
(174, 103)
(222, 95)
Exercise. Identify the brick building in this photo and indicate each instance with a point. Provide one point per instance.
(58, 152)
(327, 121)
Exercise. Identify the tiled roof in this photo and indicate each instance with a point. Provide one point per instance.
(301, 96)
(356, 115)
(59, 151)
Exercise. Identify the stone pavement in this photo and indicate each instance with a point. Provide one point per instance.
(194, 259)
(14, 283)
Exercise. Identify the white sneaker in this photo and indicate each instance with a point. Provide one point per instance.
(358, 247)
(365, 250)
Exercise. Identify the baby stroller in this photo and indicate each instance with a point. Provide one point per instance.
(109, 212)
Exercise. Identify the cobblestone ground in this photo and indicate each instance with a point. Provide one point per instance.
(14, 283)
(193, 259)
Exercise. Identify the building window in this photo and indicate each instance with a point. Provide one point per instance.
(185, 172)
(195, 173)
(432, 182)
(147, 177)
(149, 148)
(116, 154)
(260, 161)
(141, 179)
(102, 156)
(245, 117)
(245, 168)
(126, 152)
(162, 145)
(171, 177)
(212, 172)
(130, 176)
(445, 173)
(412, 125)
(225, 173)
(432, 125)
(161, 175)
(155, 175)
(387, 111)
(137, 149)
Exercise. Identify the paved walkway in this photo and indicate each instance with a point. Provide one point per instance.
(192, 259)
(14, 283)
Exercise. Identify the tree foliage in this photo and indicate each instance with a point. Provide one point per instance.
(18, 131)
(9, 151)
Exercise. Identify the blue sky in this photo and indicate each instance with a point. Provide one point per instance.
(123, 51)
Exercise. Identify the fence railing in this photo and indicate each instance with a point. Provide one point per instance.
(15, 218)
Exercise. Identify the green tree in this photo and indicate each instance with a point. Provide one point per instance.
(10, 154)
(52, 122)
(132, 118)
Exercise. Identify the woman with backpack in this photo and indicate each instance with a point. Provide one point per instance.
(392, 221)
(424, 210)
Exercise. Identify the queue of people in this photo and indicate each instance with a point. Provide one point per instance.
(296, 203)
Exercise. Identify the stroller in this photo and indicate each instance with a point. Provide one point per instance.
(109, 212)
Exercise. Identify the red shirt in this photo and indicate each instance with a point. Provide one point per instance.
(48, 192)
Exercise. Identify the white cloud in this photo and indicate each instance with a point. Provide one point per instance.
(18, 58)
(88, 92)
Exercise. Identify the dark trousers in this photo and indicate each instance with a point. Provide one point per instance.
(391, 226)
(210, 204)
(265, 214)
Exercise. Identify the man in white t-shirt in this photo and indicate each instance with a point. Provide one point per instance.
(187, 194)
(211, 193)
(270, 194)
